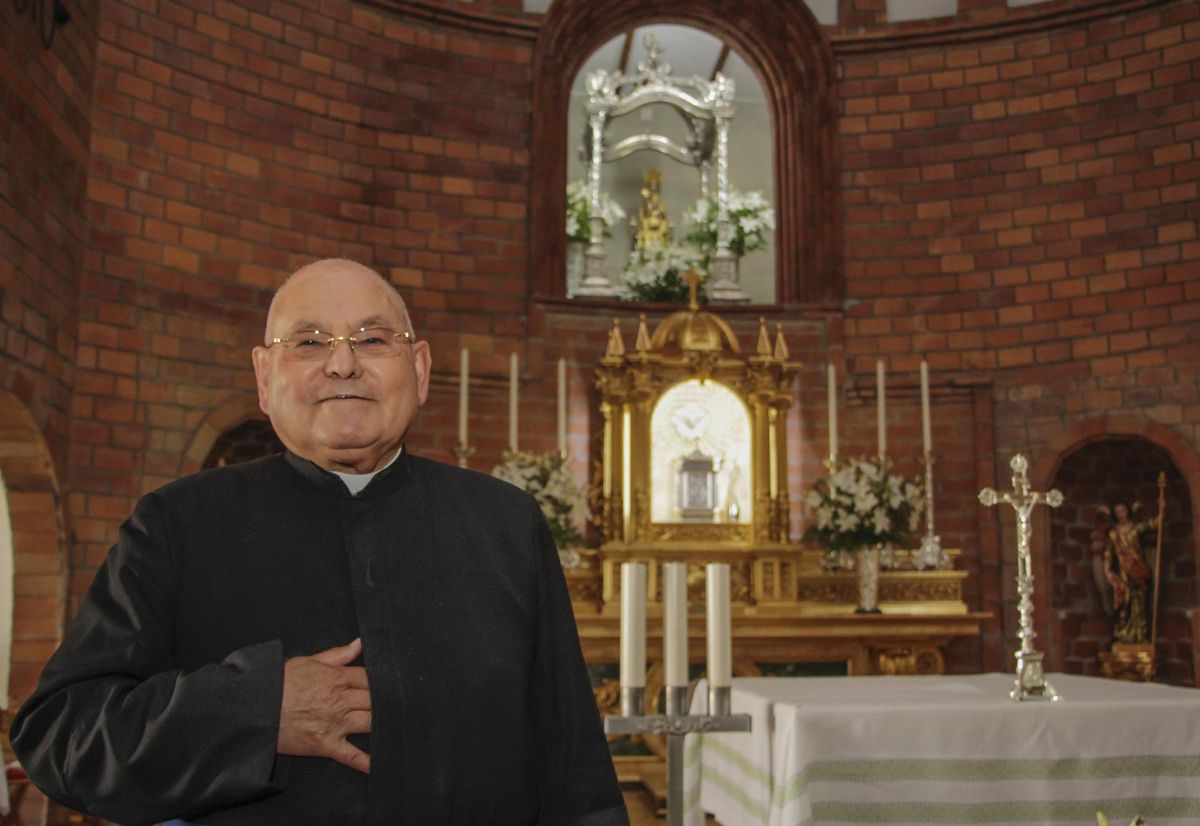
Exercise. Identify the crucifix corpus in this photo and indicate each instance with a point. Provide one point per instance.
(1031, 682)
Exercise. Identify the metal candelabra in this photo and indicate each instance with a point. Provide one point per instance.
(464, 453)
(1031, 681)
(931, 554)
(675, 724)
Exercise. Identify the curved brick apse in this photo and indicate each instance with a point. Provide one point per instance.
(1012, 197)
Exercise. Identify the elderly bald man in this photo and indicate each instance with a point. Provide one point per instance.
(343, 634)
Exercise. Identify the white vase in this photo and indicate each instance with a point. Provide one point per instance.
(576, 265)
(569, 557)
(866, 571)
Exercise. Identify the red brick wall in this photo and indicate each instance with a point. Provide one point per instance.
(1025, 208)
(1020, 208)
(44, 160)
(230, 147)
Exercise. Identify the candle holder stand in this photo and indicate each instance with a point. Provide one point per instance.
(931, 553)
(464, 453)
(675, 725)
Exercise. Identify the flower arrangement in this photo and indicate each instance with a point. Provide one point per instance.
(656, 273)
(862, 503)
(579, 212)
(750, 215)
(545, 476)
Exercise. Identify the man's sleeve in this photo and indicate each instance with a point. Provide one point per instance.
(116, 729)
(578, 785)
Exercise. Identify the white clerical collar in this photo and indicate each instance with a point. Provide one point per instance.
(357, 481)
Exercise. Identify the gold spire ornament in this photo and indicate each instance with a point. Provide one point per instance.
(764, 339)
(616, 344)
(643, 335)
(781, 348)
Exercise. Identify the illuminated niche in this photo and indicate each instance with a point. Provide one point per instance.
(701, 466)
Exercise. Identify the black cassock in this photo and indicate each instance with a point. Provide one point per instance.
(163, 701)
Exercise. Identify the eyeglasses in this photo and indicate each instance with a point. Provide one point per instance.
(368, 343)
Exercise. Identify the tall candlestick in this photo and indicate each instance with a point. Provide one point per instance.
(720, 643)
(926, 430)
(464, 369)
(633, 625)
(675, 639)
(562, 407)
(833, 445)
(880, 409)
(513, 380)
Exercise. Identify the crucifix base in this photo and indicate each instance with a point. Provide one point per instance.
(1031, 682)
(675, 727)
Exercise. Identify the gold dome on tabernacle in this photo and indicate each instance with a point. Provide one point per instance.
(693, 329)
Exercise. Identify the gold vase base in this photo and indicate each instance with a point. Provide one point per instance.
(1129, 661)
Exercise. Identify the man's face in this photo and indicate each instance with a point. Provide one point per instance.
(1121, 512)
(342, 412)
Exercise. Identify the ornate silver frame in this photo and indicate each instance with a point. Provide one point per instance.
(707, 108)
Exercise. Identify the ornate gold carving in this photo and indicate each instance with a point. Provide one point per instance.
(585, 588)
(929, 590)
(1129, 661)
(781, 526)
(844, 591)
(608, 696)
(911, 659)
(640, 513)
(741, 583)
(704, 532)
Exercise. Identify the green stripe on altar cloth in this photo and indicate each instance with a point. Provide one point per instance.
(1017, 811)
(747, 784)
(993, 770)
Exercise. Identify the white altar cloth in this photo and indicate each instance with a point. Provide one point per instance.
(948, 749)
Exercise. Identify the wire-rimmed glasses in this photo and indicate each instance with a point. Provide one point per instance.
(367, 342)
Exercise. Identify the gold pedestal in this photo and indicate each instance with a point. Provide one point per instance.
(1129, 661)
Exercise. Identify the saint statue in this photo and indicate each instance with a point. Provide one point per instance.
(653, 226)
(1126, 569)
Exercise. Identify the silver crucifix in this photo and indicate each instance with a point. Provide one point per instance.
(1031, 682)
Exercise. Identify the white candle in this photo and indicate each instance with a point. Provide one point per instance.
(633, 625)
(675, 639)
(562, 407)
(720, 644)
(513, 380)
(881, 409)
(926, 430)
(833, 445)
(464, 370)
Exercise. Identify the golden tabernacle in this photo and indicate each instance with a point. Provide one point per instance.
(694, 469)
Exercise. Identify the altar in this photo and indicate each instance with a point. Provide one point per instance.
(694, 454)
(949, 749)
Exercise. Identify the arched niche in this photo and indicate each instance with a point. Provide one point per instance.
(220, 420)
(37, 564)
(250, 440)
(1100, 475)
(783, 42)
(1043, 475)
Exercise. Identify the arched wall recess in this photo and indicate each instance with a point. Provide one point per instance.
(783, 41)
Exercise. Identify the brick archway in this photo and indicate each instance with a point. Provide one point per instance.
(1044, 468)
(40, 567)
(228, 415)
